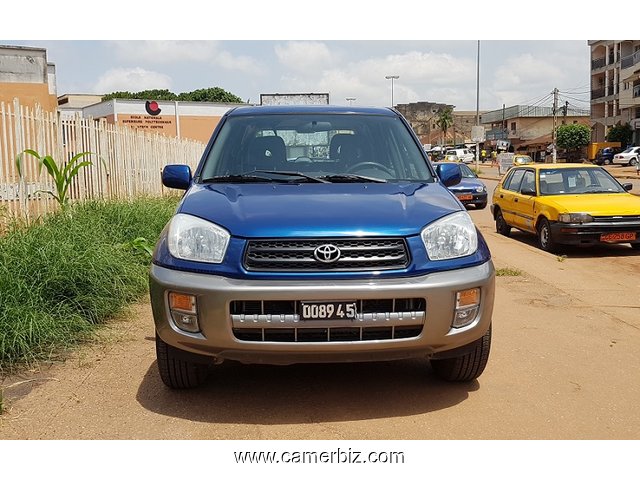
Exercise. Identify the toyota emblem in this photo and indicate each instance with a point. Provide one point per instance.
(327, 253)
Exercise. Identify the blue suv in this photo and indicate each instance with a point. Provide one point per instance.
(318, 234)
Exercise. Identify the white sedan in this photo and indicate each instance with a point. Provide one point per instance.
(630, 157)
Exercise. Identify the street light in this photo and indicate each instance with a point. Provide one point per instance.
(350, 100)
(392, 78)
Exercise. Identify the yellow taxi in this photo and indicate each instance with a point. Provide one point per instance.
(567, 204)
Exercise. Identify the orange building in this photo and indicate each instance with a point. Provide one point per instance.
(192, 120)
(26, 75)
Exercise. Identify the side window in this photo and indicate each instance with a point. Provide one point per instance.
(528, 181)
(516, 180)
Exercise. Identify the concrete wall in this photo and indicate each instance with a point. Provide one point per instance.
(26, 75)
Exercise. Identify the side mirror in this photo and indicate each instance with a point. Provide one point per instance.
(627, 186)
(176, 176)
(450, 174)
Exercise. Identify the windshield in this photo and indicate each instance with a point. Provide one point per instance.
(466, 171)
(331, 147)
(571, 181)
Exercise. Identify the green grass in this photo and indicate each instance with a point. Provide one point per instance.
(508, 272)
(62, 276)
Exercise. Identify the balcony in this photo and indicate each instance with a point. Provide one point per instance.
(598, 63)
(630, 60)
(598, 93)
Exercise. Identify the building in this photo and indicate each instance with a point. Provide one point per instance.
(423, 118)
(192, 120)
(26, 75)
(528, 128)
(615, 86)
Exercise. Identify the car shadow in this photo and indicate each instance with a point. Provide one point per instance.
(300, 394)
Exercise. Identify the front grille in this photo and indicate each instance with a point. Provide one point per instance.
(279, 321)
(618, 219)
(356, 255)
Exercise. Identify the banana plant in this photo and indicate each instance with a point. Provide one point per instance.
(62, 176)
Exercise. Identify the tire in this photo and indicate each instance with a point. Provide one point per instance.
(545, 239)
(176, 372)
(467, 367)
(608, 161)
(481, 206)
(633, 162)
(501, 226)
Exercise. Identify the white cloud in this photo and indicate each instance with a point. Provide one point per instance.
(165, 51)
(305, 57)
(131, 80)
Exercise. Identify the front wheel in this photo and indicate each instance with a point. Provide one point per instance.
(545, 238)
(501, 226)
(466, 367)
(633, 162)
(177, 372)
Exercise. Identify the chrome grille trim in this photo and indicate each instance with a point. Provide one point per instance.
(357, 254)
(293, 320)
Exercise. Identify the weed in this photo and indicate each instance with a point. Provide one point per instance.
(508, 272)
(61, 276)
(561, 258)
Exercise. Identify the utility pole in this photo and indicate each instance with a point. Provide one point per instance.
(566, 108)
(555, 122)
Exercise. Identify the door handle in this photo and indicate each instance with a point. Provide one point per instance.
(515, 200)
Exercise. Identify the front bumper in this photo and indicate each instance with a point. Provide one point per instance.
(218, 326)
(591, 233)
(476, 198)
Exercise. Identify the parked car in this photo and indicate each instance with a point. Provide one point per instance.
(567, 204)
(451, 157)
(604, 156)
(471, 190)
(464, 155)
(318, 234)
(630, 157)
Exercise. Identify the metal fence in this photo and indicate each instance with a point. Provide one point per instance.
(126, 163)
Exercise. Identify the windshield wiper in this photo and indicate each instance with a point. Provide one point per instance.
(350, 177)
(295, 174)
(242, 178)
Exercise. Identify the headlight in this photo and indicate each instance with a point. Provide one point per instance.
(191, 238)
(575, 218)
(480, 189)
(450, 237)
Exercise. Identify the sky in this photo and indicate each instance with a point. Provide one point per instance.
(511, 72)
(343, 48)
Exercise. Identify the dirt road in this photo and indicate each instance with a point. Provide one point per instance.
(565, 364)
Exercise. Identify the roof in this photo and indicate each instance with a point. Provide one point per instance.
(540, 166)
(310, 109)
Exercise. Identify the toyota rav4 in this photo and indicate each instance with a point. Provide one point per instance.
(318, 234)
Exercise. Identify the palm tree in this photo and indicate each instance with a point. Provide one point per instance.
(444, 121)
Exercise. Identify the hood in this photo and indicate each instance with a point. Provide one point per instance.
(467, 184)
(600, 204)
(329, 210)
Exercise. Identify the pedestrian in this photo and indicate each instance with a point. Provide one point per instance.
(494, 158)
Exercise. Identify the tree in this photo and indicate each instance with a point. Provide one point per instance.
(215, 94)
(573, 137)
(444, 121)
(620, 133)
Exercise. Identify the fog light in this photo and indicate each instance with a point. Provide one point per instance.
(467, 307)
(186, 322)
(184, 312)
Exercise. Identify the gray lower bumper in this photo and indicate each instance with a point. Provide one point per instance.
(217, 339)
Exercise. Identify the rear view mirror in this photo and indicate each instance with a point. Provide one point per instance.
(176, 176)
(450, 174)
(627, 186)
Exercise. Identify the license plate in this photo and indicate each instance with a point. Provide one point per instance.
(465, 197)
(328, 311)
(618, 237)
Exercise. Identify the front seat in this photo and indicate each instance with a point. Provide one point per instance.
(266, 153)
